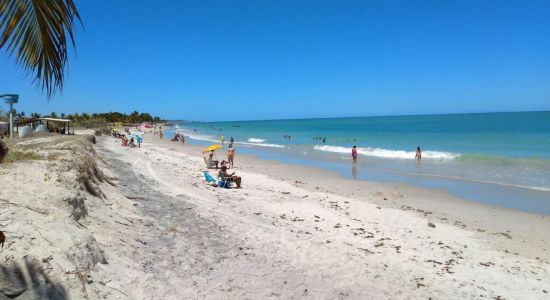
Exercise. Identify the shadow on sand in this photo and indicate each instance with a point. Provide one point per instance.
(28, 281)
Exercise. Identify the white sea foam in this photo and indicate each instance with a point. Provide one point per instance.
(386, 153)
(255, 140)
(261, 145)
(199, 137)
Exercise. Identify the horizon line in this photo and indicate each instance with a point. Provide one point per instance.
(364, 116)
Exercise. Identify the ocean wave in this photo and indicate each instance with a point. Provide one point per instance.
(254, 140)
(386, 153)
(261, 145)
(199, 137)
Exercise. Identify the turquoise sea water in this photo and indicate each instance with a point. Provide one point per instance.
(497, 158)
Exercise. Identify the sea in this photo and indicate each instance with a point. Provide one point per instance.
(500, 159)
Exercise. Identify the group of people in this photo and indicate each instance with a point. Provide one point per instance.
(224, 165)
(222, 140)
(178, 137)
(228, 163)
(125, 141)
(318, 138)
(159, 131)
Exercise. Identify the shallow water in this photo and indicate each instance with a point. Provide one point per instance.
(499, 158)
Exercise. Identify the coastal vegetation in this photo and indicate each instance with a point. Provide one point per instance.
(38, 33)
(92, 120)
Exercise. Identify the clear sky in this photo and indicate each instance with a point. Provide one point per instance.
(271, 59)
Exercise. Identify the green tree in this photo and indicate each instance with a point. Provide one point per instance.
(38, 33)
(134, 117)
(53, 115)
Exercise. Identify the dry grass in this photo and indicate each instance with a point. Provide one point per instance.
(16, 155)
(77, 151)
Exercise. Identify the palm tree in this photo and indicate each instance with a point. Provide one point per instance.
(37, 31)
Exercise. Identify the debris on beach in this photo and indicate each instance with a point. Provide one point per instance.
(2, 239)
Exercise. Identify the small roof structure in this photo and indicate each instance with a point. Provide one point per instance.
(55, 120)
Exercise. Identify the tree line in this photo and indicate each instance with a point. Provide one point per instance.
(110, 117)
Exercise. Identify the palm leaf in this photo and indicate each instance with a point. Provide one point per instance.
(37, 31)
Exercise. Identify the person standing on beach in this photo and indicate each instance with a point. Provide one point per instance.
(418, 155)
(222, 138)
(231, 153)
(354, 154)
(160, 132)
(231, 140)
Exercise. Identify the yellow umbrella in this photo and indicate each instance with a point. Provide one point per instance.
(212, 148)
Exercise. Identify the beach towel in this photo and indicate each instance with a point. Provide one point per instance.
(208, 177)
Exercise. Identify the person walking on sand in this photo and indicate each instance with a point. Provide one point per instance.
(354, 154)
(231, 153)
(418, 155)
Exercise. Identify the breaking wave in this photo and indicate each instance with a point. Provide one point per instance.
(386, 153)
(254, 140)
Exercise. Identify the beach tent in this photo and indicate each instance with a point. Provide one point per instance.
(66, 123)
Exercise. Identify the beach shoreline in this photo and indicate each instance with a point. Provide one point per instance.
(436, 203)
(153, 228)
(511, 170)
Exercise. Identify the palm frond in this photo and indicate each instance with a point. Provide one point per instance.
(37, 32)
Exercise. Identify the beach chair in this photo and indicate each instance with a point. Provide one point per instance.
(224, 182)
(208, 166)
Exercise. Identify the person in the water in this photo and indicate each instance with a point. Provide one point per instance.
(418, 155)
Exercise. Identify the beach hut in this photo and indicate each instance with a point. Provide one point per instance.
(65, 129)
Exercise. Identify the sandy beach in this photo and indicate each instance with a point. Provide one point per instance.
(100, 221)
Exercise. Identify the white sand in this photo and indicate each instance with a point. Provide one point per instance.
(165, 234)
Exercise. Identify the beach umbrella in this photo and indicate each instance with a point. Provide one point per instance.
(212, 148)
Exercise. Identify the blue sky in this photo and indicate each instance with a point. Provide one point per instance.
(260, 59)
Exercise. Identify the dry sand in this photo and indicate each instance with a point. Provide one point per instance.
(145, 225)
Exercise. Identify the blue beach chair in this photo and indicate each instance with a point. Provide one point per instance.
(224, 182)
